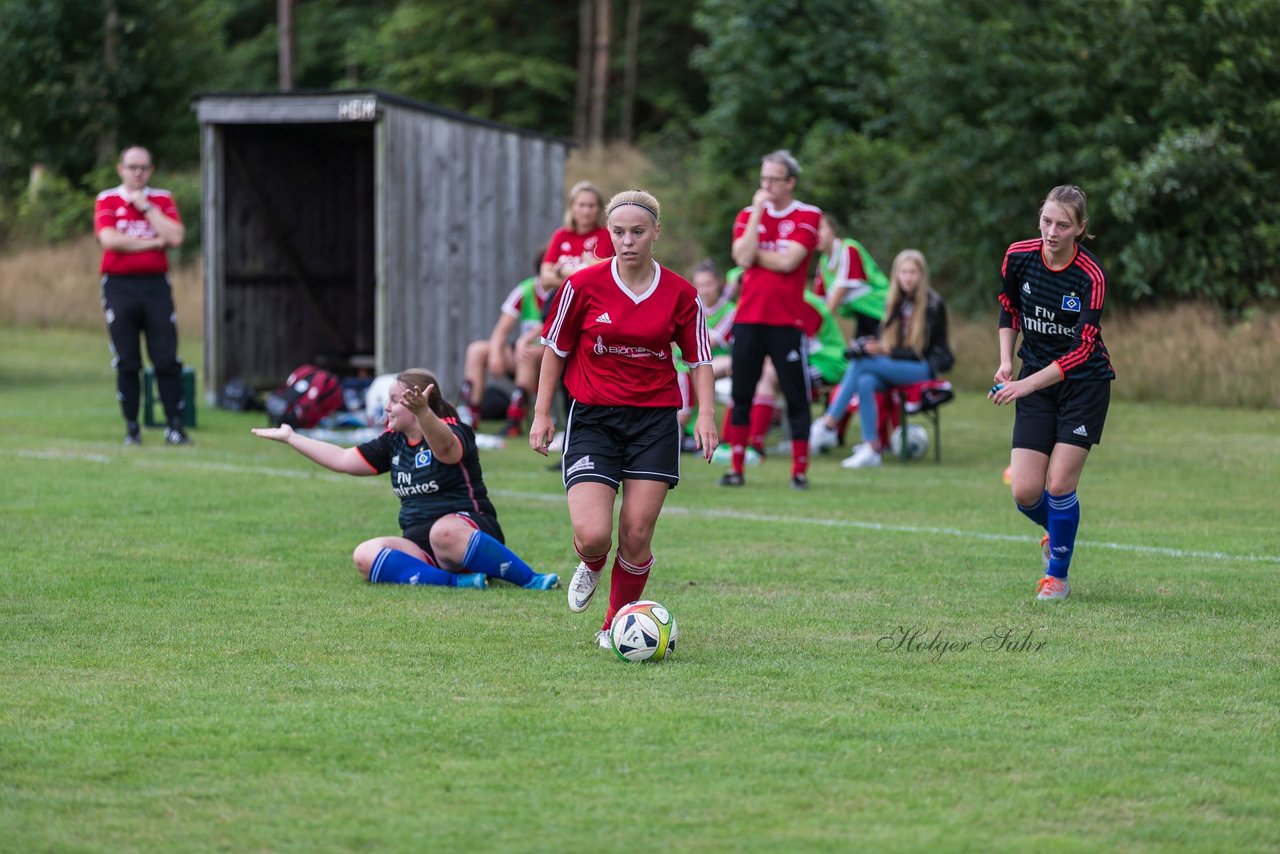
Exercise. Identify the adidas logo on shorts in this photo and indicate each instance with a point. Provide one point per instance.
(1080, 431)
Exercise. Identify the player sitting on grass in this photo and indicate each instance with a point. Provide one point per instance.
(446, 519)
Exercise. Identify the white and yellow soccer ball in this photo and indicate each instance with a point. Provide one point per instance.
(917, 441)
(643, 631)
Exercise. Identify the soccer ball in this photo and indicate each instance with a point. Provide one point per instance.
(917, 441)
(643, 631)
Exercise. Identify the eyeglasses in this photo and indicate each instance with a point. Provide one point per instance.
(770, 179)
(138, 167)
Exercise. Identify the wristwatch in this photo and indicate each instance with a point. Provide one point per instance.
(146, 209)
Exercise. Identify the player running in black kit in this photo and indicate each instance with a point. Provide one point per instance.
(446, 517)
(1053, 291)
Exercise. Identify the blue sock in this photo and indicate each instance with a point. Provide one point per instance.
(487, 555)
(1064, 519)
(393, 567)
(1038, 512)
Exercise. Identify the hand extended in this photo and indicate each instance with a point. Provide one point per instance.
(1007, 392)
(415, 400)
(279, 434)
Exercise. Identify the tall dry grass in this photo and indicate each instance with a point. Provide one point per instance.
(1184, 354)
(59, 286)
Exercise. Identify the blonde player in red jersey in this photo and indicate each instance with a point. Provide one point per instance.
(609, 333)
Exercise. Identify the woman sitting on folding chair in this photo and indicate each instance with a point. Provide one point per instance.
(912, 347)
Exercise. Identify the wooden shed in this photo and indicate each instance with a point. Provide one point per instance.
(363, 231)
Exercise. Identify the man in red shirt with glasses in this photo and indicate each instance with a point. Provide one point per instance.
(773, 240)
(136, 224)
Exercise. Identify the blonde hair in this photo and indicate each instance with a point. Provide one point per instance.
(421, 378)
(1072, 198)
(639, 198)
(893, 334)
(584, 187)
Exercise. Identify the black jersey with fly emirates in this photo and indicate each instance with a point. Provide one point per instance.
(1058, 312)
(428, 488)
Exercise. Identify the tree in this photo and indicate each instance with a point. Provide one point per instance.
(775, 70)
(1165, 113)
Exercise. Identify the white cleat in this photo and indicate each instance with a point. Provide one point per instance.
(864, 456)
(822, 438)
(1051, 588)
(582, 587)
(602, 640)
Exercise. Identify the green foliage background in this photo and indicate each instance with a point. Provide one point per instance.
(920, 123)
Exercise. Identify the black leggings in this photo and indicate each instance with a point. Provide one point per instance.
(787, 348)
(143, 305)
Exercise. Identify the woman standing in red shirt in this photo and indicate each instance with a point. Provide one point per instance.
(609, 333)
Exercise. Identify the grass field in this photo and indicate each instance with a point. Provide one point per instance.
(189, 662)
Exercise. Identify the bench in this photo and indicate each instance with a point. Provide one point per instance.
(895, 406)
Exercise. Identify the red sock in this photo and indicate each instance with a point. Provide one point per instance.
(736, 437)
(595, 563)
(626, 584)
(761, 419)
(799, 456)
(516, 409)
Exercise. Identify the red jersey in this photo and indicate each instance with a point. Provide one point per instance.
(571, 250)
(618, 344)
(777, 299)
(112, 210)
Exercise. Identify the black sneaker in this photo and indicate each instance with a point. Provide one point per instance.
(132, 435)
(732, 478)
(800, 482)
(175, 436)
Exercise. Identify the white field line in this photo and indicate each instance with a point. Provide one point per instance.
(671, 509)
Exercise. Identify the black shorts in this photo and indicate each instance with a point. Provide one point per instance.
(1072, 412)
(420, 534)
(609, 444)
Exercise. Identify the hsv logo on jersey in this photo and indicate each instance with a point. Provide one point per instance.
(1071, 303)
(423, 459)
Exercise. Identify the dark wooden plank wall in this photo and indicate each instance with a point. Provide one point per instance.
(451, 213)
(297, 200)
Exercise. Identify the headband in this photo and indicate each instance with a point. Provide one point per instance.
(637, 204)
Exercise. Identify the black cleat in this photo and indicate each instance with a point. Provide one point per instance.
(732, 478)
(800, 482)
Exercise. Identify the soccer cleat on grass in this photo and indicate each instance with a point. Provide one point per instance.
(582, 587)
(800, 482)
(602, 639)
(176, 436)
(732, 478)
(1051, 588)
(476, 580)
(547, 581)
(863, 456)
(822, 438)
(133, 435)
(1044, 547)
(511, 429)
